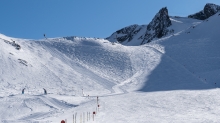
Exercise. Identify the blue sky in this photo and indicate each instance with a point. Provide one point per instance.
(30, 19)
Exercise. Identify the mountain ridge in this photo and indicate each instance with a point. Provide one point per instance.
(209, 10)
(158, 27)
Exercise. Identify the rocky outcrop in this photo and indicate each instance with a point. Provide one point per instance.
(157, 28)
(125, 34)
(209, 10)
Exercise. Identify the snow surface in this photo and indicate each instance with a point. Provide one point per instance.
(173, 79)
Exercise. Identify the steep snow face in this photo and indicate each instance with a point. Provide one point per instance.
(195, 51)
(209, 10)
(181, 24)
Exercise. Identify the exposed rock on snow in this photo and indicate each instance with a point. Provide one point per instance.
(17, 46)
(125, 34)
(23, 62)
(157, 28)
(209, 10)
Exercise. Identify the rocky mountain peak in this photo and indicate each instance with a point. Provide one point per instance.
(160, 20)
(209, 10)
(158, 26)
(144, 34)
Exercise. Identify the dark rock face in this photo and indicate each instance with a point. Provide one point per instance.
(209, 10)
(127, 33)
(145, 33)
(158, 26)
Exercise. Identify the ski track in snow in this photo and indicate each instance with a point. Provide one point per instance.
(73, 68)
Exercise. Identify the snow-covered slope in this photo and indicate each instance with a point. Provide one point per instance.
(171, 79)
(61, 64)
(67, 66)
(195, 51)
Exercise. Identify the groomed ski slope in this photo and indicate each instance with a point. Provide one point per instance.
(173, 79)
(65, 66)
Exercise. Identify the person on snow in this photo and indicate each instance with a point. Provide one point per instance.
(45, 91)
(45, 36)
(23, 90)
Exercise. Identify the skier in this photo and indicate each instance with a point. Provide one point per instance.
(45, 36)
(45, 91)
(23, 91)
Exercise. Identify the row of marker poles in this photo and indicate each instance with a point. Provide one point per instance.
(97, 104)
(83, 117)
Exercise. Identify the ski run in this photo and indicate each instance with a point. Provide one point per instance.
(173, 79)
